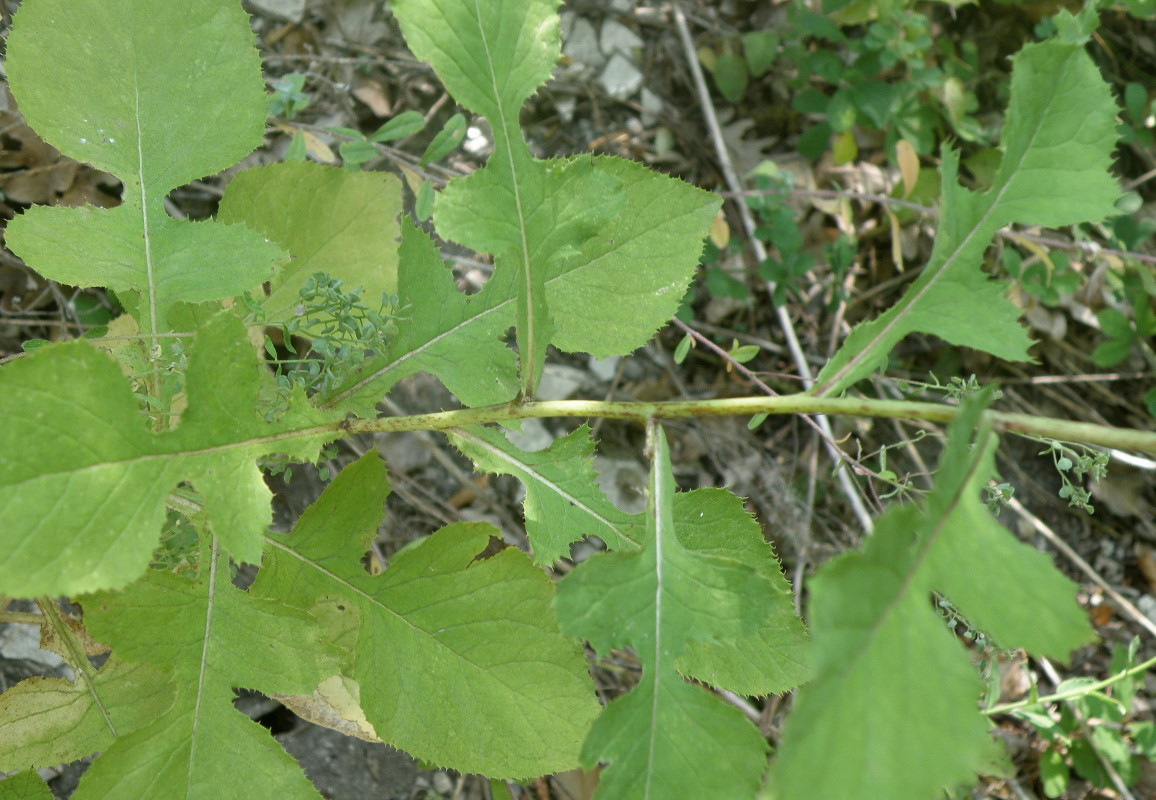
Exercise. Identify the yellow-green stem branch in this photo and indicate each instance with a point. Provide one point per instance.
(641, 412)
(1073, 693)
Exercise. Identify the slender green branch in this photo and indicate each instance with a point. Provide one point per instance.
(1073, 693)
(1066, 430)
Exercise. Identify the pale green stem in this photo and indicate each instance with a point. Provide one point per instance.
(1025, 424)
(1072, 694)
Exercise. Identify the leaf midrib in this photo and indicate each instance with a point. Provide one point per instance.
(622, 242)
(907, 304)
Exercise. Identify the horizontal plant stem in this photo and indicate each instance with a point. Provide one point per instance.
(1074, 692)
(641, 412)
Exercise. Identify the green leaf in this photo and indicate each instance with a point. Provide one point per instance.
(1054, 773)
(213, 637)
(491, 57)
(50, 721)
(654, 240)
(456, 337)
(83, 482)
(407, 123)
(331, 220)
(731, 76)
(179, 96)
(643, 259)
(1057, 146)
(446, 140)
(423, 202)
(760, 49)
(563, 503)
(894, 700)
(713, 522)
(446, 621)
(540, 218)
(25, 786)
(532, 216)
(666, 738)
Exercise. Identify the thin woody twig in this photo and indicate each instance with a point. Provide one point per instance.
(846, 485)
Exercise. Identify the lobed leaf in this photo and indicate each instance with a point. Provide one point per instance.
(667, 739)
(330, 220)
(563, 503)
(446, 620)
(576, 239)
(213, 637)
(895, 700)
(83, 482)
(654, 240)
(455, 337)
(155, 62)
(1057, 145)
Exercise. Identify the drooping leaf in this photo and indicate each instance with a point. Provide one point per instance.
(667, 738)
(445, 621)
(894, 703)
(50, 721)
(179, 96)
(775, 657)
(444, 332)
(83, 482)
(1057, 146)
(213, 637)
(330, 220)
(563, 503)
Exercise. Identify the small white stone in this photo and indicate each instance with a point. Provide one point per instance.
(288, 10)
(621, 78)
(617, 38)
(581, 44)
(559, 382)
(651, 107)
(442, 783)
(604, 368)
(532, 436)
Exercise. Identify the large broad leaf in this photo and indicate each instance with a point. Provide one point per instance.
(330, 220)
(50, 721)
(563, 502)
(1057, 148)
(158, 94)
(83, 481)
(644, 258)
(895, 701)
(446, 621)
(213, 638)
(443, 332)
(580, 236)
(667, 738)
